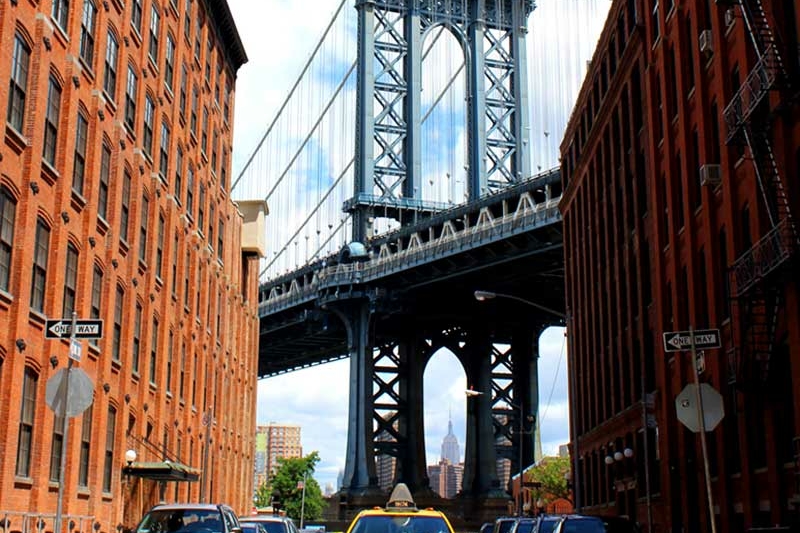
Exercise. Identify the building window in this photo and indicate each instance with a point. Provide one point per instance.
(220, 237)
(153, 351)
(226, 114)
(136, 16)
(97, 296)
(108, 463)
(70, 281)
(137, 338)
(26, 419)
(204, 132)
(169, 362)
(124, 215)
(190, 190)
(195, 369)
(198, 31)
(86, 445)
(182, 95)
(39, 279)
(187, 21)
(143, 229)
(223, 170)
(186, 270)
(163, 155)
(130, 99)
(119, 309)
(155, 21)
(175, 267)
(56, 449)
(160, 245)
(201, 208)
(147, 140)
(178, 176)
(182, 375)
(79, 164)
(60, 13)
(655, 21)
(8, 215)
(51, 121)
(193, 116)
(169, 62)
(102, 193)
(209, 49)
(214, 142)
(18, 83)
(87, 33)
(110, 70)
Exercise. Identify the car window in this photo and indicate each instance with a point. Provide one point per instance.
(504, 526)
(230, 520)
(273, 526)
(547, 525)
(525, 526)
(180, 521)
(400, 524)
(583, 526)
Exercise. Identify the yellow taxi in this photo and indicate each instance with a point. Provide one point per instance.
(400, 516)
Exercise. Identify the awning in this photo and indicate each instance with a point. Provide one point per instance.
(162, 471)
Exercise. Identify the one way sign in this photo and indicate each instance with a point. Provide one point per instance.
(90, 328)
(676, 341)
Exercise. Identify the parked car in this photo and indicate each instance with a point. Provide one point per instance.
(272, 523)
(400, 516)
(546, 523)
(595, 524)
(252, 527)
(504, 524)
(526, 524)
(189, 518)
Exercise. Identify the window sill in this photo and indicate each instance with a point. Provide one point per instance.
(15, 140)
(49, 173)
(23, 482)
(102, 225)
(78, 201)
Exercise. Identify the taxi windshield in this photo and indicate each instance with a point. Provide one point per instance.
(400, 524)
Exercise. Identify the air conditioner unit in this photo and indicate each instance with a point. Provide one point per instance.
(730, 16)
(710, 175)
(706, 44)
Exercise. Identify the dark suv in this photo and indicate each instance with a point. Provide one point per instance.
(189, 518)
(272, 523)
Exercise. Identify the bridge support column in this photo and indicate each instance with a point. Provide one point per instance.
(359, 473)
(525, 354)
(480, 465)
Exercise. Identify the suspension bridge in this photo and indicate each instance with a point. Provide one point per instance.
(398, 175)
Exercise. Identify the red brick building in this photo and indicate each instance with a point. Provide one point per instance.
(680, 167)
(114, 204)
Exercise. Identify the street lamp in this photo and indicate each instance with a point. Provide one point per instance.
(471, 393)
(482, 296)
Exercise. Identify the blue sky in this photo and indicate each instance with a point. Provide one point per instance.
(279, 36)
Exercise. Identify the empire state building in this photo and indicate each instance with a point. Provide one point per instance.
(451, 451)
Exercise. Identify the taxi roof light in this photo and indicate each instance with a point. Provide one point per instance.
(401, 498)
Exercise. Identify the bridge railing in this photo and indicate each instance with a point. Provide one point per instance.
(468, 238)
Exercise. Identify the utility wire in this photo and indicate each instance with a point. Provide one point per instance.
(553, 385)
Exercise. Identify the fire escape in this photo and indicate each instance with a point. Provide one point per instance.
(756, 278)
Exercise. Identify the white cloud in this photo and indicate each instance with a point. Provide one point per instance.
(278, 36)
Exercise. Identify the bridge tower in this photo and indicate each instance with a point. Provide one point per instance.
(386, 381)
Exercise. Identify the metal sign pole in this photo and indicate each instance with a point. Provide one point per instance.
(64, 433)
(702, 421)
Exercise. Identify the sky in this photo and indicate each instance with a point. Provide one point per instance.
(279, 36)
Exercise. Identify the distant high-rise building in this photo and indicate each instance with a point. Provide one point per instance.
(275, 441)
(445, 478)
(451, 451)
(385, 464)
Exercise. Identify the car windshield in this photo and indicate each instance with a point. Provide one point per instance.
(274, 526)
(400, 524)
(181, 520)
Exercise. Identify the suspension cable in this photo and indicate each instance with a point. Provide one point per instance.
(291, 93)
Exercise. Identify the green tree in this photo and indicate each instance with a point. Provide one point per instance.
(287, 481)
(263, 495)
(550, 473)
